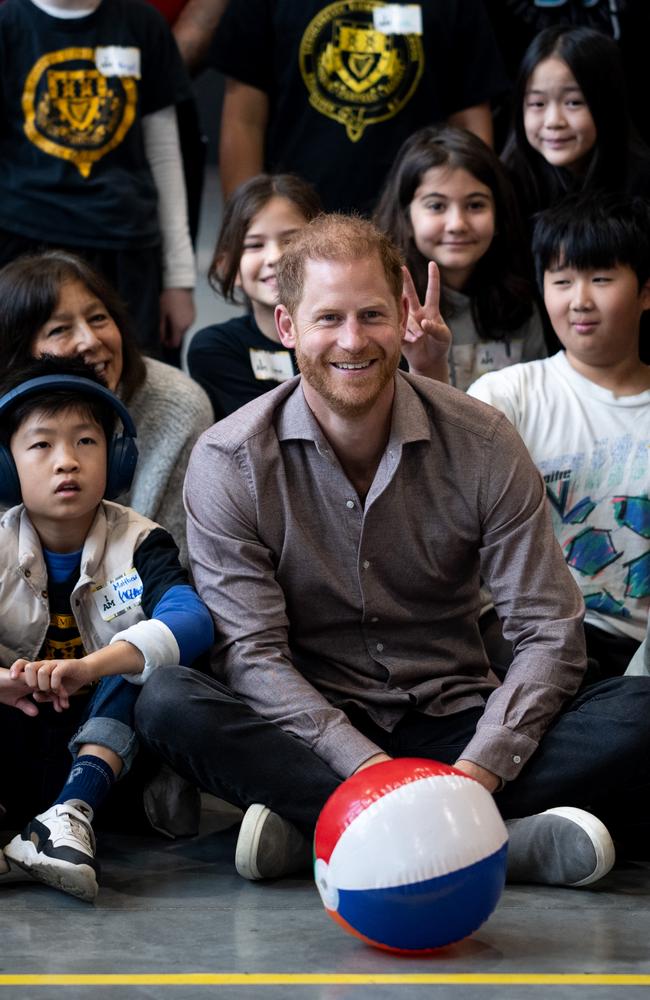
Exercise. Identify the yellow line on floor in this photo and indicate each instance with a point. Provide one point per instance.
(330, 979)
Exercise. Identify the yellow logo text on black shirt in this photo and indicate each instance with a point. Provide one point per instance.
(74, 112)
(355, 74)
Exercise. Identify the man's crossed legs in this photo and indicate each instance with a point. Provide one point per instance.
(595, 757)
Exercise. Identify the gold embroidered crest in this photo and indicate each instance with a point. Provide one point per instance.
(354, 73)
(74, 112)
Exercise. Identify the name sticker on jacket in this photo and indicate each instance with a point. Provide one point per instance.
(119, 595)
(395, 19)
(271, 365)
(118, 60)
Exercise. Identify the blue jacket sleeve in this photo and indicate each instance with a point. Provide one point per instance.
(184, 613)
(168, 596)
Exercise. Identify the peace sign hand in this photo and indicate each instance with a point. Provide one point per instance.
(427, 339)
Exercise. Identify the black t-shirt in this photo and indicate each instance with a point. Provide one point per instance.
(73, 92)
(344, 95)
(62, 640)
(235, 362)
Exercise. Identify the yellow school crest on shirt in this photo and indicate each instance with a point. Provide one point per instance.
(73, 111)
(354, 73)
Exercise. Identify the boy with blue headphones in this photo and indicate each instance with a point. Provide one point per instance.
(92, 600)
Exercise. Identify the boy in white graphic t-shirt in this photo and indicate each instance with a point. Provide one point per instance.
(584, 413)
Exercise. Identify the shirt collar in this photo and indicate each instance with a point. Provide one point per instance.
(409, 420)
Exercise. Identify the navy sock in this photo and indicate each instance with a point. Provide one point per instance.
(90, 780)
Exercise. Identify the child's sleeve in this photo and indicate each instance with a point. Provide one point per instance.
(499, 389)
(178, 627)
(162, 149)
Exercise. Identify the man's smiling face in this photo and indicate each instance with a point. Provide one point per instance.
(347, 332)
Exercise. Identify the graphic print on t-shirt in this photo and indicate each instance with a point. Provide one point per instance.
(355, 73)
(62, 641)
(604, 533)
(75, 112)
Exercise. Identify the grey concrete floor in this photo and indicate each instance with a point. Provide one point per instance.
(179, 907)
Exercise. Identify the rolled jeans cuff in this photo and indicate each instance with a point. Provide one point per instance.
(109, 733)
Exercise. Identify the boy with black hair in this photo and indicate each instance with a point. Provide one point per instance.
(584, 414)
(92, 597)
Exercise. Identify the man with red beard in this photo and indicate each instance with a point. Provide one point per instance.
(338, 528)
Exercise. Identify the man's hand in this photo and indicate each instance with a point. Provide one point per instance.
(16, 693)
(176, 315)
(54, 680)
(377, 758)
(482, 775)
(427, 339)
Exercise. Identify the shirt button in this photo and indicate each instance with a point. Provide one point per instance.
(366, 564)
(374, 620)
(350, 504)
(516, 759)
(28, 572)
(380, 647)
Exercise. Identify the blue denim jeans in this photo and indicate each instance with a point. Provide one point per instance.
(109, 720)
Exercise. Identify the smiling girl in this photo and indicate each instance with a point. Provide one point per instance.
(572, 130)
(239, 360)
(447, 200)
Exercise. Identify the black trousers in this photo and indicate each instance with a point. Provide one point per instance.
(37, 761)
(596, 755)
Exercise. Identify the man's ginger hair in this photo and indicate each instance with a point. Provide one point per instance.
(335, 237)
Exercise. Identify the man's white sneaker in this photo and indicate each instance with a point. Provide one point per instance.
(58, 848)
(269, 846)
(562, 846)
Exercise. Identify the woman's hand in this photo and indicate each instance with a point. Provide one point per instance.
(427, 339)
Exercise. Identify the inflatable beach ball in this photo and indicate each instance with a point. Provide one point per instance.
(410, 855)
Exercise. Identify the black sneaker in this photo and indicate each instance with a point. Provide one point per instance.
(58, 848)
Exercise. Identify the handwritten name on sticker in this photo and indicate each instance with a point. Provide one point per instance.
(119, 595)
(393, 19)
(273, 365)
(118, 60)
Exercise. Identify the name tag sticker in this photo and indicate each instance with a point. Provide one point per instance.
(395, 19)
(119, 595)
(118, 60)
(494, 355)
(271, 365)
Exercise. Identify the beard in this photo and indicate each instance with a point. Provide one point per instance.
(357, 398)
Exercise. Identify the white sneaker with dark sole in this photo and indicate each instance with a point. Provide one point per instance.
(562, 846)
(269, 846)
(58, 848)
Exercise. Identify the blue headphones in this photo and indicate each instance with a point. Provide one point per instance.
(122, 451)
